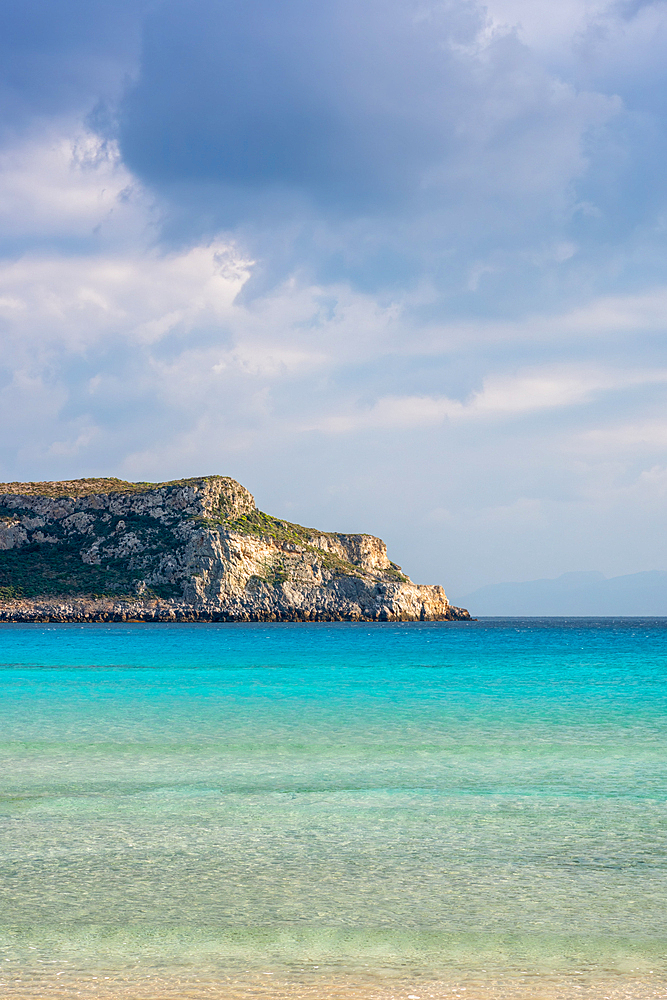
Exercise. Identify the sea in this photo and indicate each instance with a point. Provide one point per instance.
(327, 811)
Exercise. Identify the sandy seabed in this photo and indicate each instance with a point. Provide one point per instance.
(272, 986)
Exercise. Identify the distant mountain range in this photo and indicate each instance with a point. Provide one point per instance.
(587, 594)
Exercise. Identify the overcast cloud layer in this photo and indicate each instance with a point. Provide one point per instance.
(398, 267)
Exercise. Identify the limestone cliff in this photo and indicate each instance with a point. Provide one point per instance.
(190, 550)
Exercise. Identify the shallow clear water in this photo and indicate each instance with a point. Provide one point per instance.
(474, 800)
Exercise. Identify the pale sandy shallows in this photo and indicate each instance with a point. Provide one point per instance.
(270, 986)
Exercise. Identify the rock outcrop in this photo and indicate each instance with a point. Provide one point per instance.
(189, 550)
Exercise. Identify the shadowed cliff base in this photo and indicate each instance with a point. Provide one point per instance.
(189, 550)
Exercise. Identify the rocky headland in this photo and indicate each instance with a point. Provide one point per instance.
(189, 550)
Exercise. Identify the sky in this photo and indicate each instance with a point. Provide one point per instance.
(398, 266)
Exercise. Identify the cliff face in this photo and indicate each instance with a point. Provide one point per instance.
(195, 549)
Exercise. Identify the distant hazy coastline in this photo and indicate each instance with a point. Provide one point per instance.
(575, 594)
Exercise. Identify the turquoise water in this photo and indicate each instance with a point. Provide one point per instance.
(442, 798)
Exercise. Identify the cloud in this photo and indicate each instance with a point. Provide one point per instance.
(372, 143)
(546, 26)
(257, 94)
(501, 397)
(376, 260)
(60, 59)
(63, 185)
(170, 334)
(648, 436)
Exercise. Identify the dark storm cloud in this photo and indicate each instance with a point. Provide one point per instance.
(348, 102)
(376, 143)
(59, 56)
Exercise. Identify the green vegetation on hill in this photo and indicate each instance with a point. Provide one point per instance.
(265, 526)
(36, 570)
(285, 532)
(91, 487)
(48, 568)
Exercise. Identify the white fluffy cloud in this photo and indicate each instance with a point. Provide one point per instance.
(500, 397)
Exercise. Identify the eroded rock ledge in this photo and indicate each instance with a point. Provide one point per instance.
(189, 550)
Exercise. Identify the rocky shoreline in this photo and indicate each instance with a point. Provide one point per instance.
(163, 611)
